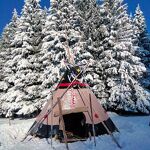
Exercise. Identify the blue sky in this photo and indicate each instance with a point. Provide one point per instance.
(145, 7)
(7, 6)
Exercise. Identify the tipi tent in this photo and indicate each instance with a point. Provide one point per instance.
(73, 110)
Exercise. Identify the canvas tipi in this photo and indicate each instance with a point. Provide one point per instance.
(73, 112)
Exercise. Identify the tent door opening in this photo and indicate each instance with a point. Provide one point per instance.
(75, 125)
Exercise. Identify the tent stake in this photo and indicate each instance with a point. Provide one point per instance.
(9, 120)
(93, 128)
(63, 124)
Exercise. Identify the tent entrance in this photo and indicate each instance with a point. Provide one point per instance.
(75, 125)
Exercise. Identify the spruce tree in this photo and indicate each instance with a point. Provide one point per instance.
(5, 51)
(7, 37)
(121, 68)
(142, 40)
(63, 42)
(9, 31)
(92, 25)
(23, 69)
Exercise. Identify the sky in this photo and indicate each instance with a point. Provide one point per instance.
(7, 7)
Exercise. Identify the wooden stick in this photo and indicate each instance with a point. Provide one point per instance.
(9, 120)
(89, 133)
(52, 124)
(93, 128)
(47, 126)
(63, 124)
(49, 111)
(109, 132)
(84, 104)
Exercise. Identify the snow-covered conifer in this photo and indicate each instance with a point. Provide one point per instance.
(7, 37)
(63, 41)
(143, 42)
(23, 69)
(5, 49)
(9, 30)
(121, 68)
(91, 24)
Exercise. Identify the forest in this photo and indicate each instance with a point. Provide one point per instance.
(34, 52)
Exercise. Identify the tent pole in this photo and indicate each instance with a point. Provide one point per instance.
(49, 111)
(84, 103)
(93, 128)
(47, 125)
(89, 133)
(109, 132)
(52, 123)
(9, 120)
(63, 124)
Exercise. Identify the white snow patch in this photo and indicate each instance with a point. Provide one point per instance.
(134, 134)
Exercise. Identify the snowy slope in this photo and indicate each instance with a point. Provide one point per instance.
(134, 135)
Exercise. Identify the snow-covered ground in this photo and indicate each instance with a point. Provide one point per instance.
(134, 135)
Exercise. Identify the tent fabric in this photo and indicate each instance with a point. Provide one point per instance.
(45, 130)
(72, 84)
(74, 102)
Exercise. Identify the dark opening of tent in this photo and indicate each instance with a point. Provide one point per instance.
(75, 125)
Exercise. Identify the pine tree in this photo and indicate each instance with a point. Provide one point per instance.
(23, 69)
(141, 28)
(143, 41)
(63, 41)
(5, 50)
(7, 37)
(9, 30)
(91, 24)
(121, 68)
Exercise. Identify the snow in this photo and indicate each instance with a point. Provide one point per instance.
(22, 64)
(134, 134)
